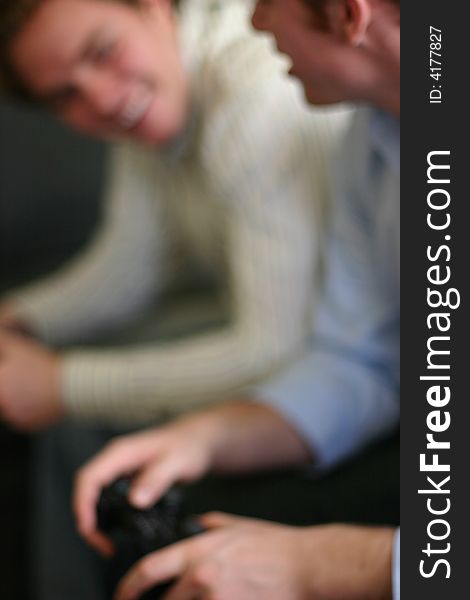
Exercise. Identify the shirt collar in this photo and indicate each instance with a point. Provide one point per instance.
(385, 135)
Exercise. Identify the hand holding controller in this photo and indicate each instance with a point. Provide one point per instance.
(135, 532)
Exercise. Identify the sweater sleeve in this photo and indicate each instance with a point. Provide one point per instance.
(115, 275)
(267, 156)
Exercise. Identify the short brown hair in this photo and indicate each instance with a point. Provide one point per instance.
(13, 15)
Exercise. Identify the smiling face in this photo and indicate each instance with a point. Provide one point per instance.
(109, 69)
(330, 68)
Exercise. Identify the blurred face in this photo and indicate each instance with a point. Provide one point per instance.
(108, 69)
(321, 58)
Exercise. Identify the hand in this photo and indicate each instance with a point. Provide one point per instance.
(254, 560)
(231, 437)
(161, 457)
(29, 383)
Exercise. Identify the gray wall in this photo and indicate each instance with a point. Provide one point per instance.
(50, 190)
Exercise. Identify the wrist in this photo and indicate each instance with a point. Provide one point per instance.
(248, 436)
(207, 430)
(355, 564)
(380, 552)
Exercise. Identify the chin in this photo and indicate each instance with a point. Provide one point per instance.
(314, 96)
(161, 132)
(152, 138)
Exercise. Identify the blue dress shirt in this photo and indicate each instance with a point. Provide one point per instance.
(345, 391)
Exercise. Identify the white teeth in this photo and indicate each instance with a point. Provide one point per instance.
(135, 108)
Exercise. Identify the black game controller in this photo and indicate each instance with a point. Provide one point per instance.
(136, 532)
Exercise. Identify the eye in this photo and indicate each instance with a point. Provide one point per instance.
(102, 52)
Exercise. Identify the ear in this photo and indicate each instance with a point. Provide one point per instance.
(351, 18)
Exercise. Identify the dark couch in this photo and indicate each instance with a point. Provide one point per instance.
(50, 189)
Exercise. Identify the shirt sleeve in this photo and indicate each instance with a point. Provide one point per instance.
(396, 567)
(344, 392)
(115, 275)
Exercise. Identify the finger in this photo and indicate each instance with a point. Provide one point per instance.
(88, 486)
(117, 459)
(214, 520)
(85, 500)
(185, 589)
(153, 569)
(100, 542)
(153, 481)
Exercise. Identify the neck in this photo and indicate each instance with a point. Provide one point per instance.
(387, 95)
(383, 47)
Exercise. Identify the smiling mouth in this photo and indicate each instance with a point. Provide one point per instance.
(135, 108)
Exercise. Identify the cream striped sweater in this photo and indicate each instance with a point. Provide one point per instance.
(245, 188)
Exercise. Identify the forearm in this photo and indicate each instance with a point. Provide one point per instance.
(146, 381)
(249, 437)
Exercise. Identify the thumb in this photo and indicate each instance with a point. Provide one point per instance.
(153, 481)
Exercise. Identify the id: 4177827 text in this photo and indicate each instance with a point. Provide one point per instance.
(435, 65)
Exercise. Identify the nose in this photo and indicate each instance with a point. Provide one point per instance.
(101, 91)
